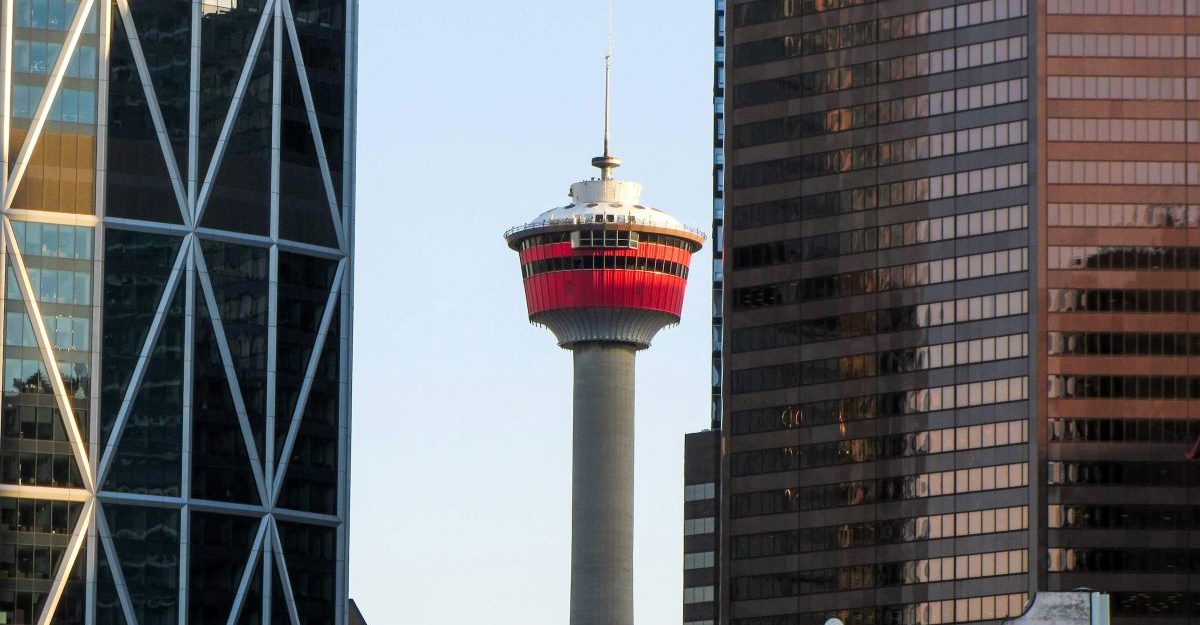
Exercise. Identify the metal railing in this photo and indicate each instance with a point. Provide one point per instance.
(602, 219)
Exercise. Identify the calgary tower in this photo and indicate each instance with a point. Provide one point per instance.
(604, 273)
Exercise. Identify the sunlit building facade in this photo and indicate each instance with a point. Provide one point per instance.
(175, 261)
(959, 245)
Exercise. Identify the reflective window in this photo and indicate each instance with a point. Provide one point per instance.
(882, 532)
(897, 319)
(860, 450)
(705, 525)
(876, 31)
(882, 237)
(1122, 172)
(875, 72)
(1115, 473)
(916, 401)
(699, 560)
(1121, 88)
(887, 112)
(1122, 344)
(1153, 431)
(964, 610)
(60, 173)
(1133, 517)
(879, 575)
(1124, 215)
(699, 492)
(879, 280)
(1122, 45)
(1122, 7)
(888, 362)
(1124, 258)
(761, 11)
(1122, 300)
(895, 488)
(1082, 386)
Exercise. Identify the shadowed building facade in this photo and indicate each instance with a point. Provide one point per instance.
(952, 352)
(175, 254)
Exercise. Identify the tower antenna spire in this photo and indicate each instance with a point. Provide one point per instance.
(607, 162)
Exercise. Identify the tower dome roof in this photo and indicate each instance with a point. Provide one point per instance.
(610, 201)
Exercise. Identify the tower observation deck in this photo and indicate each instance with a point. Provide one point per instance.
(604, 273)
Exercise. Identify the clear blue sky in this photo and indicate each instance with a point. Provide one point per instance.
(475, 116)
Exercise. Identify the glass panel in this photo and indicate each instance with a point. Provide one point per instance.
(136, 270)
(220, 548)
(303, 206)
(321, 30)
(147, 544)
(240, 196)
(311, 554)
(165, 31)
(304, 284)
(149, 453)
(240, 283)
(220, 464)
(60, 175)
(33, 538)
(138, 185)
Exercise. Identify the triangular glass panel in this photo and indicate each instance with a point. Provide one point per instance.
(311, 553)
(138, 183)
(310, 483)
(252, 607)
(321, 31)
(137, 269)
(71, 605)
(34, 535)
(108, 603)
(146, 541)
(39, 33)
(221, 468)
(60, 174)
(240, 196)
(279, 611)
(303, 202)
(58, 262)
(304, 284)
(226, 38)
(241, 284)
(164, 30)
(219, 551)
(149, 454)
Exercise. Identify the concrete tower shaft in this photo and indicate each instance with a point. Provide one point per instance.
(602, 485)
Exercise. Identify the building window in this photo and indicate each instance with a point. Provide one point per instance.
(698, 594)
(701, 560)
(703, 525)
(698, 492)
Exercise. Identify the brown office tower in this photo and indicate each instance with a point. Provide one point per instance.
(958, 254)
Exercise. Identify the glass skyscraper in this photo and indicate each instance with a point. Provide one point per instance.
(952, 356)
(175, 259)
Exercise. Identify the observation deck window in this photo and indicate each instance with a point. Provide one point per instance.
(604, 238)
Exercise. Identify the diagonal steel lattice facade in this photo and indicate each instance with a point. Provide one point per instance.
(175, 259)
